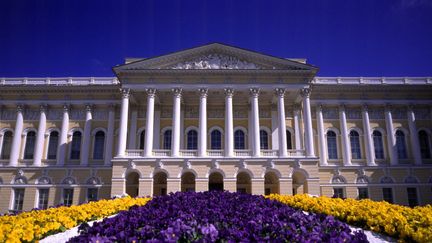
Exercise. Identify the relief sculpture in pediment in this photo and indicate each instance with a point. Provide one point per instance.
(216, 61)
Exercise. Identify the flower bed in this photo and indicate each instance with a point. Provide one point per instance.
(36, 224)
(211, 216)
(382, 217)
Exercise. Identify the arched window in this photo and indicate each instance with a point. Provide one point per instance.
(239, 139)
(52, 145)
(332, 145)
(378, 145)
(7, 144)
(424, 145)
(355, 145)
(99, 142)
(167, 139)
(264, 140)
(216, 139)
(289, 140)
(192, 139)
(76, 145)
(30, 145)
(141, 139)
(400, 145)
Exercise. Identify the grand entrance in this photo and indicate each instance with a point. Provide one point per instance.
(188, 182)
(271, 183)
(160, 184)
(216, 182)
(132, 184)
(244, 184)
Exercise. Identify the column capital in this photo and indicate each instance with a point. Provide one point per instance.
(410, 107)
(342, 107)
(43, 107)
(203, 92)
(177, 92)
(151, 92)
(66, 107)
(280, 92)
(88, 107)
(20, 107)
(305, 92)
(229, 92)
(125, 93)
(388, 107)
(320, 107)
(254, 92)
(365, 107)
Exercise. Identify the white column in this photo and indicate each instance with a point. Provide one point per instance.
(16, 141)
(280, 93)
(121, 149)
(391, 140)
(297, 130)
(370, 153)
(321, 136)
(110, 135)
(229, 123)
(133, 130)
(415, 144)
(254, 92)
(309, 144)
(87, 136)
(61, 149)
(346, 155)
(175, 135)
(40, 137)
(202, 139)
(148, 146)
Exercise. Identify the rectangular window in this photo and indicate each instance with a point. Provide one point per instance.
(363, 193)
(388, 194)
(18, 199)
(412, 196)
(92, 194)
(43, 198)
(338, 192)
(68, 196)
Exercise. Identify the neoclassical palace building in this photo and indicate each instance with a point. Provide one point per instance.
(214, 117)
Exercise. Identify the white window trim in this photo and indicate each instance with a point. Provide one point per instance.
(138, 137)
(246, 135)
(222, 136)
(406, 138)
(338, 140)
(292, 137)
(70, 136)
(361, 142)
(383, 141)
(2, 132)
(92, 187)
(429, 137)
(24, 142)
(93, 136)
(187, 130)
(47, 141)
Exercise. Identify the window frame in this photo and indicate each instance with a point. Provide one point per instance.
(355, 151)
(29, 149)
(264, 143)
(69, 199)
(381, 142)
(88, 199)
(193, 141)
(389, 189)
(71, 146)
(49, 148)
(2, 144)
(401, 143)
(425, 152)
(45, 200)
(17, 207)
(102, 154)
(212, 143)
(336, 147)
(238, 140)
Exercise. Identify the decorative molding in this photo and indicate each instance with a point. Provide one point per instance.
(229, 92)
(254, 92)
(280, 92)
(305, 92)
(151, 92)
(125, 93)
(203, 92)
(177, 92)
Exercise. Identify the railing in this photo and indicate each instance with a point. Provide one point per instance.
(242, 152)
(269, 153)
(63, 81)
(134, 152)
(296, 152)
(188, 153)
(161, 152)
(215, 153)
(372, 80)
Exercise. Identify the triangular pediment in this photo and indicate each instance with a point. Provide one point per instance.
(216, 57)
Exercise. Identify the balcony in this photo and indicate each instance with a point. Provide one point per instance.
(187, 153)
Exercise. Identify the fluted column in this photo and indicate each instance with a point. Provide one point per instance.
(229, 124)
(37, 159)
(297, 130)
(110, 135)
(148, 146)
(254, 92)
(202, 139)
(370, 153)
(415, 144)
(391, 140)
(321, 135)
(121, 149)
(175, 138)
(61, 149)
(280, 93)
(309, 144)
(87, 136)
(346, 155)
(16, 141)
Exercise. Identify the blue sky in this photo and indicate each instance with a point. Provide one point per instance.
(341, 37)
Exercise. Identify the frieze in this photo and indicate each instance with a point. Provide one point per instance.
(166, 112)
(399, 113)
(100, 114)
(55, 114)
(191, 112)
(376, 113)
(422, 113)
(31, 115)
(9, 115)
(216, 113)
(216, 61)
(240, 112)
(77, 114)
